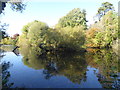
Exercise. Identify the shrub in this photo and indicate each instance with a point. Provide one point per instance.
(33, 33)
(67, 38)
(103, 33)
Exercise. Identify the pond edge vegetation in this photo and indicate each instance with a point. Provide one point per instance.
(71, 33)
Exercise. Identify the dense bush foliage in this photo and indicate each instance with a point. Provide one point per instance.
(38, 34)
(9, 41)
(67, 38)
(33, 33)
(105, 32)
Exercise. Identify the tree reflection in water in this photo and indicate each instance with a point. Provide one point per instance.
(107, 63)
(74, 65)
(5, 72)
(6, 75)
(50, 70)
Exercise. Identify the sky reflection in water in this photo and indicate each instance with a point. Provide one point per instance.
(93, 69)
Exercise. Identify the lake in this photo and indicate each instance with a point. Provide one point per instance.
(28, 68)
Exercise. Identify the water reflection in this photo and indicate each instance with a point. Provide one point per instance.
(6, 75)
(107, 63)
(5, 72)
(9, 48)
(71, 65)
(74, 66)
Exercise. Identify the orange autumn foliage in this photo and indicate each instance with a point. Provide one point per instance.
(90, 35)
(91, 32)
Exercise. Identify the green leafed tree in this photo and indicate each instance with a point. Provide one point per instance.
(74, 18)
(33, 33)
(66, 38)
(105, 7)
(105, 32)
(3, 27)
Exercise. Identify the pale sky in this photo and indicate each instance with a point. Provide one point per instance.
(49, 11)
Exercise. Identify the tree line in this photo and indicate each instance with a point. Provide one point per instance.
(72, 32)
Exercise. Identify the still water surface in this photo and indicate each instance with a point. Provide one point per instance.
(92, 69)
